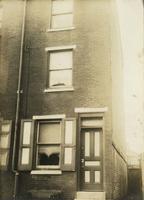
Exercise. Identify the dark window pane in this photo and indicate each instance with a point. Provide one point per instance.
(49, 155)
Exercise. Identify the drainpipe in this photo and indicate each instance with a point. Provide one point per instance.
(18, 103)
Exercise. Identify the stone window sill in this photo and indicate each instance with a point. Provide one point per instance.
(60, 29)
(59, 89)
(36, 172)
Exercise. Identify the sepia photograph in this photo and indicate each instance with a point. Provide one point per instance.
(71, 99)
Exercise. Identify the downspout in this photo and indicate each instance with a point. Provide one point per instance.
(14, 170)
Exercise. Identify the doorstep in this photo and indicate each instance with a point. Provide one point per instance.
(84, 195)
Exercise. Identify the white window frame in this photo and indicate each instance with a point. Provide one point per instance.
(50, 29)
(55, 49)
(53, 167)
(64, 164)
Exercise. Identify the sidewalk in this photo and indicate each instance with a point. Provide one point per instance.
(134, 197)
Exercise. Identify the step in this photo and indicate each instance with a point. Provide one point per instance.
(90, 196)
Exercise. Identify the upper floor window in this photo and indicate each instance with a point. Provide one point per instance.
(62, 14)
(60, 67)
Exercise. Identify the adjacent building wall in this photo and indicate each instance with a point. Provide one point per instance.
(9, 66)
(119, 163)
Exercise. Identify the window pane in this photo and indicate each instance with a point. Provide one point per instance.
(97, 144)
(61, 60)
(97, 176)
(5, 127)
(68, 132)
(87, 176)
(49, 133)
(92, 122)
(27, 132)
(3, 158)
(68, 156)
(87, 144)
(62, 6)
(62, 21)
(25, 156)
(61, 78)
(4, 139)
(49, 155)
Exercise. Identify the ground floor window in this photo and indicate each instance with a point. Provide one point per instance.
(49, 144)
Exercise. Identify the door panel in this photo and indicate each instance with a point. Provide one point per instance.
(91, 175)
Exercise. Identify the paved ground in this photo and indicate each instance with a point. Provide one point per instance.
(134, 197)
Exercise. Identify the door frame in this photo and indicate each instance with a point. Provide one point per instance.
(100, 125)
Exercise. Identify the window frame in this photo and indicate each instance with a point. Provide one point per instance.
(51, 29)
(59, 49)
(64, 166)
(49, 167)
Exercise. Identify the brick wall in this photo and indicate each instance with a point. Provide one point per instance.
(65, 182)
(10, 48)
(91, 68)
(9, 65)
(92, 74)
(119, 174)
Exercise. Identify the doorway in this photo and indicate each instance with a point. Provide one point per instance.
(91, 159)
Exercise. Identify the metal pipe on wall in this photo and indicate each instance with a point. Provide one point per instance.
(18, 102)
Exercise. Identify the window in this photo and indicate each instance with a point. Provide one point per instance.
(49, 144)
(5, 135)
(60, 68)
(62, 14)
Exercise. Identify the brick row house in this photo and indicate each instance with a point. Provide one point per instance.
(61, 100)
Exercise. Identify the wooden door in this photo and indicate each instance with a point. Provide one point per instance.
(91, 165)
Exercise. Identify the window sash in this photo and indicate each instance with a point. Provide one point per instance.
(61, 59)
(60, 75)
(48, 166)
(50, 140)
(60, 78)
(61, 6)
(62, 21)
(61, 14)
(48, 144)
